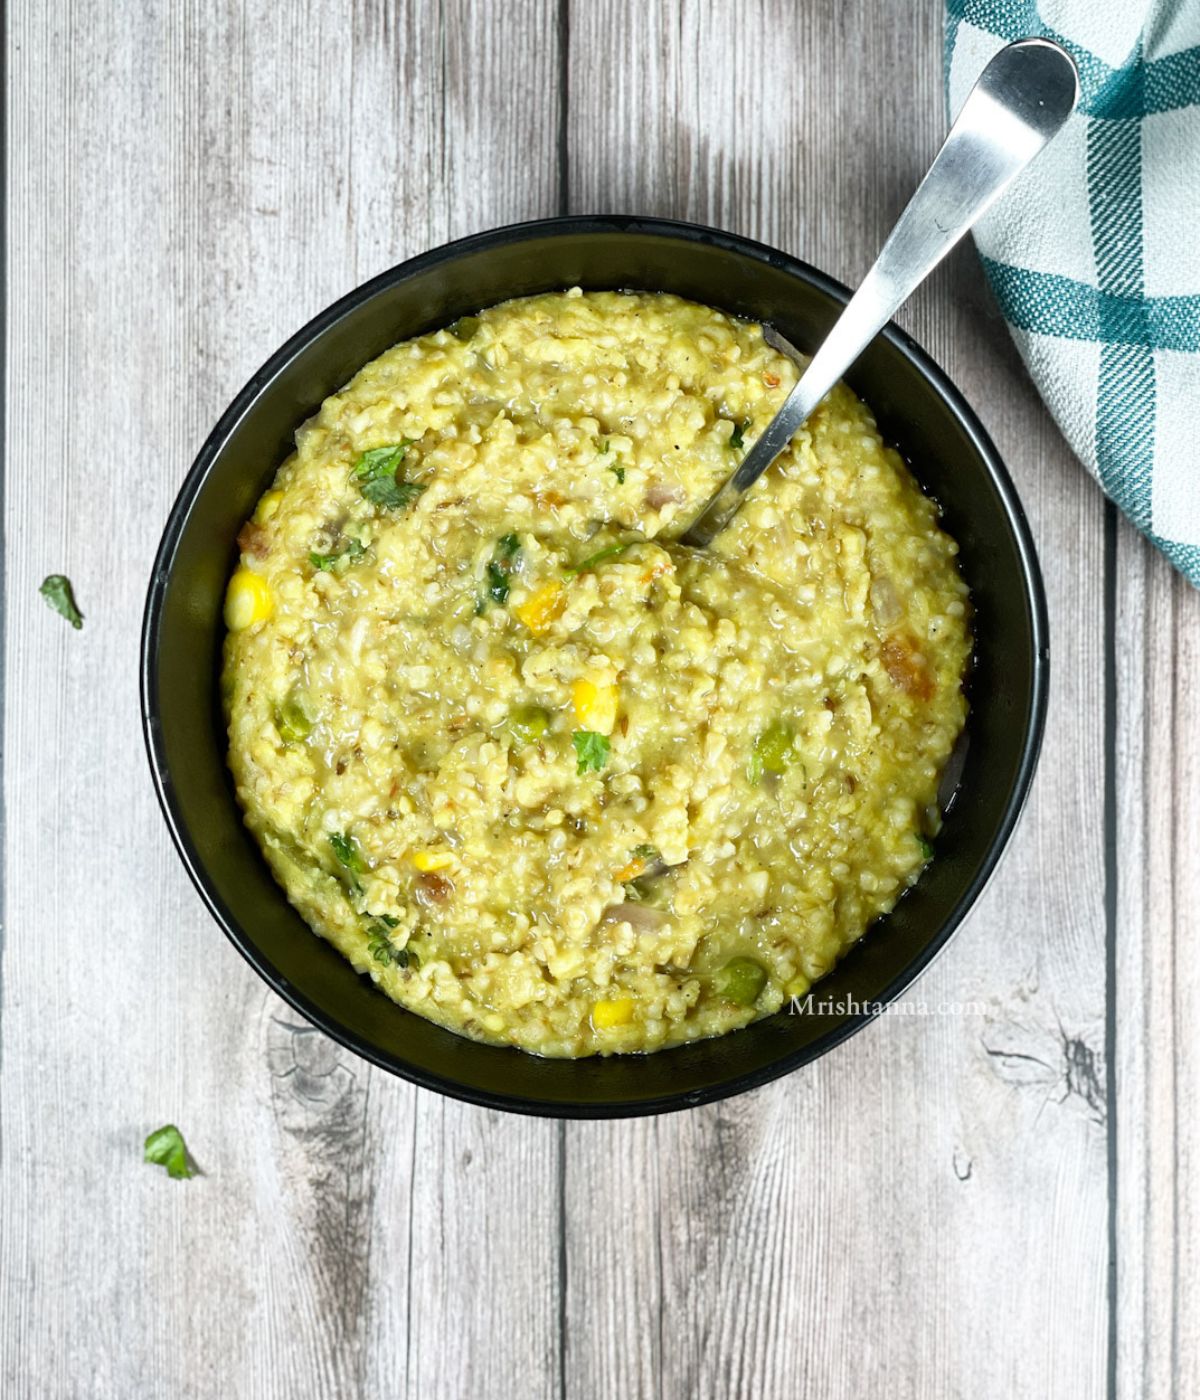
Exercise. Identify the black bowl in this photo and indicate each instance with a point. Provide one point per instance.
(918, 411)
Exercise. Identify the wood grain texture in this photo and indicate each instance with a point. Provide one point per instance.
(927, 1212)
(1156, 833)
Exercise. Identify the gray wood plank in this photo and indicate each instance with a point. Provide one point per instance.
(187, 186)
(924, 1210)
(912, 1210)
(1157, 987)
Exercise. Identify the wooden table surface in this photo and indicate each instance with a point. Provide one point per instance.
(1001, 1203)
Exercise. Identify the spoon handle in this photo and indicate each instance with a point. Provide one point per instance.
(1022, 99)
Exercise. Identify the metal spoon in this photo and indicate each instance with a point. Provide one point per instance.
(1022, 99)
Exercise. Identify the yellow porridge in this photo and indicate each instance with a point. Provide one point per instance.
(548, 777)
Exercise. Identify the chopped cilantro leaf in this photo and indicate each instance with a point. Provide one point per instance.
(381, 948)
(650, 860)
(392, 495)
(598, 558)
(57, 591)
(376, 472)
(737, 439)
(926, 847)
(497, 583)
(591, 750)
(339, 560)
(619, 472)
(379, 462)
(348, 852)
(499, 570)
(165, 1148)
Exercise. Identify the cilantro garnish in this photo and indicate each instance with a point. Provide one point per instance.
(381, 949)
(339, 560)
(499, 570)
(376, 472)
(350, 857)
(737, 439)
(599, 557)
(591, 750)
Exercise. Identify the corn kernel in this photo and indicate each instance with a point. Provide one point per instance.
(432, 860)
(606, 1014)
(595, 705)
(267, 506)
(247, 600)
(542, 606)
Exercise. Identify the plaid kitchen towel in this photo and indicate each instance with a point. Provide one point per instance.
(1094, 254)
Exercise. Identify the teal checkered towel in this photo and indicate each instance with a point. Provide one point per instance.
(1094, 254)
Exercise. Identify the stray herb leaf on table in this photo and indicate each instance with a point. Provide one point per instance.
(165, 1147)
(57, 591)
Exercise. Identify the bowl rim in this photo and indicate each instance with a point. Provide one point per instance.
(176, 523)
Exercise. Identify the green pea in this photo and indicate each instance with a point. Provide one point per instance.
(740, 981)
(528, 723)
(773, 751)
(294, 716)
